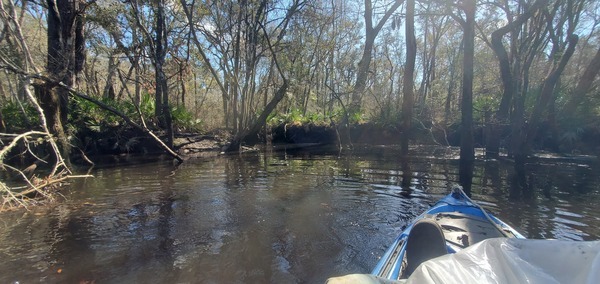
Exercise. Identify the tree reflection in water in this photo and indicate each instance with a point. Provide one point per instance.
(275, 217)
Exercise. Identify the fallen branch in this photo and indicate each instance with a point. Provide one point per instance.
(34, 186)
(45, 183)
(17, 196)
(128, 120)
(11, 197)
(14, 142)
(102, 105)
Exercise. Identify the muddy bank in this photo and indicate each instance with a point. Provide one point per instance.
(580, 141)
(120, 141)
(128, 141)
(367, 133)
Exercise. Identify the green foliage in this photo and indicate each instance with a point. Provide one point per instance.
(356, 117)
(484, 106)
(147, 105)
(85, 114)
(387, 116)
(295, 116)
(19, 116)
(183, 119)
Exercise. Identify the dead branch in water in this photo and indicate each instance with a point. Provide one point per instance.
(21, 196)
(31, 185)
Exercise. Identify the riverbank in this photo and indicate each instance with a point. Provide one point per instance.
(190, 145)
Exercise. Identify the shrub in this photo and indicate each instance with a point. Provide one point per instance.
(19, 116)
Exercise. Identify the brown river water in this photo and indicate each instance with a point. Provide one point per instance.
(276, 217)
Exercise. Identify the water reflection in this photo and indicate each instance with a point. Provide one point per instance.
(276, 217)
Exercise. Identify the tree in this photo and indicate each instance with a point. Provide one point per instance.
(371, 33)
(158, 45)
(467, 150)
(256, 124)
(434, 28)
(562, 19)
(244, 37)
(163, 111)
(408, 81)
(583, 86)
(66, 56)
(506, 73)
(23, 66)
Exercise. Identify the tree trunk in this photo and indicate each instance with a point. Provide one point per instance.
(583, 86)
(259, 122)
(408, 80)
(183, 89)
(467, 151)
(365, 61)
(65, 59)
(546, 94)
(50, 101)
(162, 87)
(492, 148)
(451, 86)
(109, 88)
(362, 75)
(2, 124)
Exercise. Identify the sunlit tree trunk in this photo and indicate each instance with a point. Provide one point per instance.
(365, 61)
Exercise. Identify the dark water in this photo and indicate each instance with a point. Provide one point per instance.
(271, 218)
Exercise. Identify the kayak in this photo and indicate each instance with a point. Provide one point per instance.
(457, 241)
(454, 223)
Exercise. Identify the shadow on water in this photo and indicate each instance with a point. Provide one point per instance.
(286, 217)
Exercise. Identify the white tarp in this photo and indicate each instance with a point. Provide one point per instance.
(503, 260)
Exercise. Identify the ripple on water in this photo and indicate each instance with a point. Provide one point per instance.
(256, 218)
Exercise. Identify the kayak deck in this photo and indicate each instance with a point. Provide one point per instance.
(461, 230)
(463, 223)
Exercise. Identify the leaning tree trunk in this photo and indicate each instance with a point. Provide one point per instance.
(236, 142)
(585, 82)
(365, 61)
(546, 94)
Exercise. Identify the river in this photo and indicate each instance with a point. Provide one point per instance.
(274, 217)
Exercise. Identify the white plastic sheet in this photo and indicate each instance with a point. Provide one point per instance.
(504, 260)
